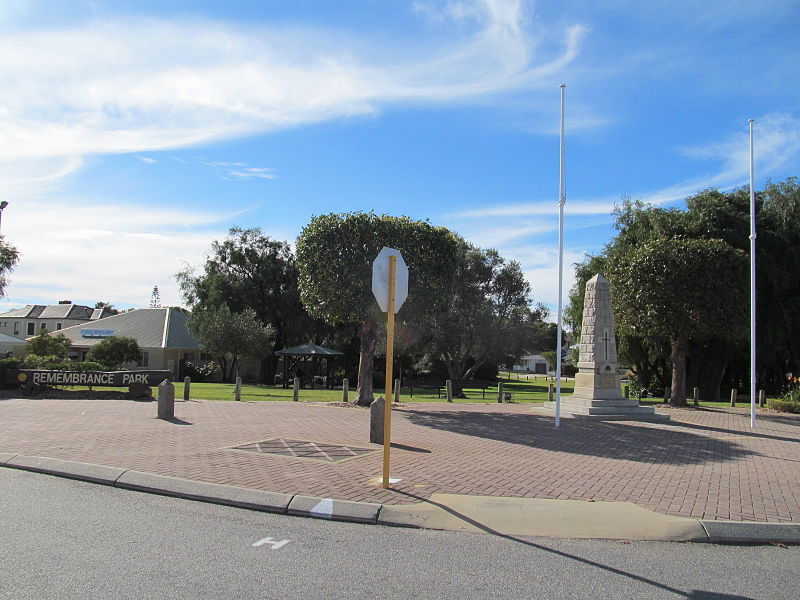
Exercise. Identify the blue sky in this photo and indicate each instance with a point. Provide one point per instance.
(132, 134)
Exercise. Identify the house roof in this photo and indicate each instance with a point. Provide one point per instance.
(31, 311)
(52, 311)
(11, 339)
(150, 327)
(309, 350)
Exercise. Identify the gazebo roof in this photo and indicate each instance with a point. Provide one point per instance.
(309, 350)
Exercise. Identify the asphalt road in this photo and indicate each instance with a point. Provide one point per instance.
(67, 539)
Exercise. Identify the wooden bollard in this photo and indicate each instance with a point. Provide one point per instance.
(166, 400)
(667, 391)
(549, 392)
(626, 391)
(500, 391)
(396, 391)
(734, 394)
(187, 382)
(696, 396)
(449, 387)
(296, 390)
(238, 390)
(762, 398)
(345, 390)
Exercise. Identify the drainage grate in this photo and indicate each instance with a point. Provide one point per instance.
(301, 449)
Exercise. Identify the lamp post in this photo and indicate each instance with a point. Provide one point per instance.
(3, 204)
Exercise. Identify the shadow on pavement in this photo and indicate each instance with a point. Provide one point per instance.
(602, 439)
(692, 595)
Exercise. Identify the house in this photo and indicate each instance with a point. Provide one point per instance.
(160, 332)
(33, 318)
(532, 363)
(11, 345)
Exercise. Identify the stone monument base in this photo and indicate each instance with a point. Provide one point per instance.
(621, 409)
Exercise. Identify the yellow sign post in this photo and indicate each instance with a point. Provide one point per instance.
(387, 401)
(390, 287)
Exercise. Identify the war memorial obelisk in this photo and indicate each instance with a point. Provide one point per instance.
(597, 383)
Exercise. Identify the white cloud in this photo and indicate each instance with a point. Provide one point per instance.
(516, 229)
(114, 252)
(147, 160)
(148, 85)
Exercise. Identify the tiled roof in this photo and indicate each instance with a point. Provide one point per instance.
(66, 311)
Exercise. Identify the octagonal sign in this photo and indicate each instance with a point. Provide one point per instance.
(380, 279)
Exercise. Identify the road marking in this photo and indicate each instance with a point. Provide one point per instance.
(273, 544)
(323, 507)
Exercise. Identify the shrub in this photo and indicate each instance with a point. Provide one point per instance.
(789, 406)
(6, 364)
(790, 401)
(115, 350)
(202, 372)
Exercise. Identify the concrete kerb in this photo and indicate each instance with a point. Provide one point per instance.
(340, 510)
(67, 468)
(205, 492)
(5, 457)
(496, 515)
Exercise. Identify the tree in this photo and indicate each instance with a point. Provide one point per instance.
(107, 306)
(113, 351)
(46, 344)
(674, 288)
(251, 271)
(155, 298)
(334, 257)
(9, 257)
(228, 336)
(488, 313)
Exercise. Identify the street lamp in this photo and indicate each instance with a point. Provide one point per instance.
(3, 204)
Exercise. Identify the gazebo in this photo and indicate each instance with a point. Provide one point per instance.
(310, 356)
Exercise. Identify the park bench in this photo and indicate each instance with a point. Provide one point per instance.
(460, 384)
(420, 384)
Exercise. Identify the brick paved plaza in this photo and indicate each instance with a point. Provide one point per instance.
(705, 463)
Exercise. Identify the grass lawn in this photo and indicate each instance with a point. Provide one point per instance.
(525, 389)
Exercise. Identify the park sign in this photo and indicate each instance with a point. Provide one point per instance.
(94, 378)
(380, 279)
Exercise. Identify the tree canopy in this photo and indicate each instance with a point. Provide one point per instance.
(228, 336)
(334, 256)
(251, 271)
(46, 344)
(9, 257)
(113, 351)
(681, 276)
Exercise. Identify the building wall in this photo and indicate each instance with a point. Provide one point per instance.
(21, 327)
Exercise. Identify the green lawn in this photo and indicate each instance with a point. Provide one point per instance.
(525, 389)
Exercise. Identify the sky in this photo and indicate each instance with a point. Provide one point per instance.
(134, 133)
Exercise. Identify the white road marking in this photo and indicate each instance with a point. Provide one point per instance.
(324, 507)
(273, 544)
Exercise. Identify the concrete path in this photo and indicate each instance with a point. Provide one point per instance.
(707, 465)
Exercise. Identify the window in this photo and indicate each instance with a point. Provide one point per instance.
(31, 328)
(43, 326)
(144, 360)
(58, 326)
(188, 355)
(16, 328)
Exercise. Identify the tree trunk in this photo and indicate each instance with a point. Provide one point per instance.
(367, 333)
(678, 356)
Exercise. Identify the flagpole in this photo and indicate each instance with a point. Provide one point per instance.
(561, 201)
(752, 284)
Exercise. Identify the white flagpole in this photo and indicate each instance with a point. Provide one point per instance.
(561, 201)
(752, 285)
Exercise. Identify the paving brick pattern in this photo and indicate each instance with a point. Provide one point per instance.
(707, 463)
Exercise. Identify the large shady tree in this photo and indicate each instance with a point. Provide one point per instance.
(682, 290)
(334, 256)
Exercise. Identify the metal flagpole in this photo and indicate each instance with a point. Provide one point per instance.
(752, 285)
(561, 200)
